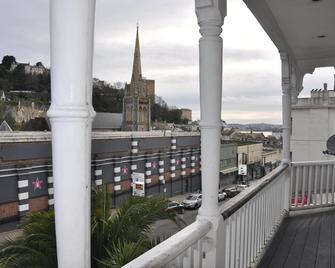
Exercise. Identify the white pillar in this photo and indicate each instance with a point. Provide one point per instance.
(286, 106)
(210, 16)
(294, 88)
(210, 21)
(71, 113)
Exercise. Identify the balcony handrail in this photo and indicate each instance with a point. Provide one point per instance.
(233, 205)
(42, 136)
(312, 184)
(313, 163)
(252, 217)
(185, 249)
(173, 247)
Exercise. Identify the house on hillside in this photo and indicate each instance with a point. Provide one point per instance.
(2, 95)
(5, 127)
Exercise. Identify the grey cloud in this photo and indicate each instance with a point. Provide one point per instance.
(251, 75)
(238, 55)
(25, 31)
(149, 13)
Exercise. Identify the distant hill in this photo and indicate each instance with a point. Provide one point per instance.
(31, 83)
(256, 126)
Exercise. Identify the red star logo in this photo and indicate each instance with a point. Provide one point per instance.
(154, 165)
(124, 170)
(37, 184)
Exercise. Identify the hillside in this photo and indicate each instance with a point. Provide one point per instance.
(256, 126)
(23, 82)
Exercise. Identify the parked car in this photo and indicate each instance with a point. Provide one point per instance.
(173, 205)
(232, 191)
(193, 201)
(242, 186)
(222, 195)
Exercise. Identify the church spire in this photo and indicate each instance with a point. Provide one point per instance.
(137, 70)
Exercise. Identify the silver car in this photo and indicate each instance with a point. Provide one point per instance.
(192, 201)
(222, 195)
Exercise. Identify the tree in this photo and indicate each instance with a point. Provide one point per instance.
(20, 78)
(117, 237)
(37, 245)
(162, 113)
(7, 61)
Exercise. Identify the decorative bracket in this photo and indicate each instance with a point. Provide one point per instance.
(210, 11)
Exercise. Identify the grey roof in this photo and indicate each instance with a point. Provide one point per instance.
(5, 127)
(107, 121)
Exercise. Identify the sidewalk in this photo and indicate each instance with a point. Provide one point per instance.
(10, 235)
(179, 198)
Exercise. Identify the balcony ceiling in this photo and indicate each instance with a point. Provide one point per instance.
(303, 28)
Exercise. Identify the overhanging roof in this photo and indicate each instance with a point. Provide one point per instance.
(302, 28)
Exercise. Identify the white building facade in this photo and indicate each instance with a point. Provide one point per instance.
(313, 122)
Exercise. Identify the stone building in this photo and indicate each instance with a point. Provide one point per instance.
(186, 114)
(36, 69)
(24, 113)
(2, 95)
(138, 97)
(228, 164)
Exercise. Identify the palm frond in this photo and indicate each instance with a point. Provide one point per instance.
(36, 247)
(122, 254)
(117, 237)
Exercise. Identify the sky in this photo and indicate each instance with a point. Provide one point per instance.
(169, 37)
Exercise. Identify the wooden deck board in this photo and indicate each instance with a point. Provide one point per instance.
(294, 257)
(308, 257)
(303, 241)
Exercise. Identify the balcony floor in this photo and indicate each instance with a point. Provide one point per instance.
(303, 241)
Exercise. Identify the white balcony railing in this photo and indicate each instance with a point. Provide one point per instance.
(184, 249)
(312, 184)
(250, 220)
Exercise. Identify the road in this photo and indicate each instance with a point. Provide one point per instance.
(166, 228)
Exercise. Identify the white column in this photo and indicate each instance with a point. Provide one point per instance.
(210, 16)
(286, 106)
(89, 94)
(294, 88)
(71, 113)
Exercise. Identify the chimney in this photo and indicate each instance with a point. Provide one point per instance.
(325, 86)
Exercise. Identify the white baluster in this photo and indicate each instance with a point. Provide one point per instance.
(253, 230)
(316, 180)
(327, 183)
(309, 185)
(227, 232)
(248, 233)
(303, 185)
(242, 237)
(296, 186)
(233, 240)
(321, 184)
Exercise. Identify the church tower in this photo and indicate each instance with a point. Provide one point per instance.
(136, 101)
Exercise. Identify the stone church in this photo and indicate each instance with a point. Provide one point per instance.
(138, 96)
